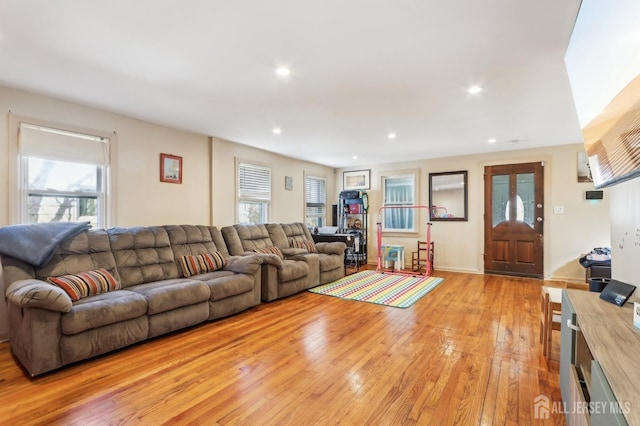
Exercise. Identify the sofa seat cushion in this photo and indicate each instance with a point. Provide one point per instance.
(103, 309)
(330, 262)
(292, 270)
(232, 285)
(166, 295)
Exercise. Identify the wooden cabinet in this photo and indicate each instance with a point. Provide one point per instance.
(599, 374)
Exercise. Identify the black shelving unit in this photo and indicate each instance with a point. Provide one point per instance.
(352, 219)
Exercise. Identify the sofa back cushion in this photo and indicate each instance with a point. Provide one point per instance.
(252, 237)
(219, 241)
(87, 251)
(277, 235)
(188, 240)
(197, 248)
(296, 231)
(142, 255)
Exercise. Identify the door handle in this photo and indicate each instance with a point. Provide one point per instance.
(572, 326)
(539, 219)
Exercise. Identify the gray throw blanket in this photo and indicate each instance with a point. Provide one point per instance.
(35, 243)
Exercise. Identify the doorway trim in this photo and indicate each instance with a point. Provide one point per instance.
(548, 164)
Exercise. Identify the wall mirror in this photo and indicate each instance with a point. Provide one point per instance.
(448, 196)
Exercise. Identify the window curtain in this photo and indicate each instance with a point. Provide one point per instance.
(399, 192)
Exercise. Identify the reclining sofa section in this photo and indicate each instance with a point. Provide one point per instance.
(156, 293)
(287, 267)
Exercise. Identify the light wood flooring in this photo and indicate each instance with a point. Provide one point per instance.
(467, 353)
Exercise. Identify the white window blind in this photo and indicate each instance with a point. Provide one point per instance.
(63, 175)
(62, 145)
(315, 201)
(254, 193)
(254, 182)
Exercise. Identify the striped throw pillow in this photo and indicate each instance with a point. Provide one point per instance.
(304, 244)
(270, 250)
(207, 262)
(86, 284)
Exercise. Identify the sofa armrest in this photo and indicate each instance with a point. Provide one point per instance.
(32, 293)
(267, 259)
(334, 247)
(244, 264)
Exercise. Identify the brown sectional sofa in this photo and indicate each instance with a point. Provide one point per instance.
(48, 330)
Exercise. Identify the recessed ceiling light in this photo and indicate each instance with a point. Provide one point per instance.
(283, 71)
(355, 157)
(474, 90)
(392, 136)
(277, 130)
(492, 140)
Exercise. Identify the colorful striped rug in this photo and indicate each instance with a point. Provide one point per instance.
(384, 289)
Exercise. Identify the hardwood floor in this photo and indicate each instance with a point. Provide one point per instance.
(467, 353)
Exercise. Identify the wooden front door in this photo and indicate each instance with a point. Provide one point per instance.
(513, 214)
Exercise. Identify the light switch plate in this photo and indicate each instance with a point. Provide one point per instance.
(558, 209)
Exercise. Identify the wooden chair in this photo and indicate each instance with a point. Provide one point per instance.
(544, 302)
(554, 321)
(550, 317)
(419, 257)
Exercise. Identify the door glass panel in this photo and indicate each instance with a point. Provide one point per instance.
(500, 198)
(526, 190)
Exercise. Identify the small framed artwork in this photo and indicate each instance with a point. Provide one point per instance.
(356, 179)
(288, 183)
(170, 168)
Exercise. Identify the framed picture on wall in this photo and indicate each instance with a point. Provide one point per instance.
(170, 168)
(356, 179)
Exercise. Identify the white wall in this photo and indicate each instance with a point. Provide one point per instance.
(625, 232)
(139, 196)
(459, 245)
(287, 206)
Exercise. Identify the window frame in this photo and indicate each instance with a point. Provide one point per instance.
(414, 174)
(322, 216)
(19, 188)
(240, 198)
(98, 195)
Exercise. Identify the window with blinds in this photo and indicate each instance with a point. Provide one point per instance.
(315, 193)
(399, 191)
(254, 193)
(63, 175)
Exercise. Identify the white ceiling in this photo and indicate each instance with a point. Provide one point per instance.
(360, 69)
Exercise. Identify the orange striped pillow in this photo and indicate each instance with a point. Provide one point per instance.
(270, 250)
(304, 244)
(86, 284)
(208, 262)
